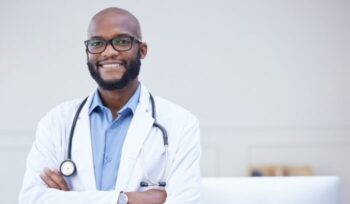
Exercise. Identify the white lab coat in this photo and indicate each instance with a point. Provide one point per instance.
(50, 149)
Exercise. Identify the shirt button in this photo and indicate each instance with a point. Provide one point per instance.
(108, 159)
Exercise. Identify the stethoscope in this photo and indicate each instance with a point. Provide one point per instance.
(68, 167)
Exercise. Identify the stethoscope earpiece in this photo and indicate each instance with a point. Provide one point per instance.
(144, 184)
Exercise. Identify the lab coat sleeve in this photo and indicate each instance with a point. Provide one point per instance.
(183, 184)
(45, 153)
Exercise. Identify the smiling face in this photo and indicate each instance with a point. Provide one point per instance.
(110, 68)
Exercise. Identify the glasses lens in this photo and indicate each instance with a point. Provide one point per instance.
(96, 45)
(122, 43)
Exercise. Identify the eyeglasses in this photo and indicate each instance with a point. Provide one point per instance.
(119, 43)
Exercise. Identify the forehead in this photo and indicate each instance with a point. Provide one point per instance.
(111, 24)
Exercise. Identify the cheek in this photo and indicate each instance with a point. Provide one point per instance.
(92, 58)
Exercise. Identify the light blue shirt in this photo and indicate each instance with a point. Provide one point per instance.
(107, 138)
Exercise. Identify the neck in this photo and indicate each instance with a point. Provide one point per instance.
(114, 100)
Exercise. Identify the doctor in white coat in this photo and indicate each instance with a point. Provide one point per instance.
(114, 49)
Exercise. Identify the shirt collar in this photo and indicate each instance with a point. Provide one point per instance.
(130, 105)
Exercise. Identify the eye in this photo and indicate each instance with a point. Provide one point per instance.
(122, 41)
(96, 43)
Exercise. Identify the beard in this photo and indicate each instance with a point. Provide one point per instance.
(132, 71)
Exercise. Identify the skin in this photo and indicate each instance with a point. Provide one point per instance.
(107, 24)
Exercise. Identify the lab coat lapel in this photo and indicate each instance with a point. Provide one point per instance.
(82, 150)
(139, 128)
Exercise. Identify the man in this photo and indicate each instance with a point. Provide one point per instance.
(126, 146)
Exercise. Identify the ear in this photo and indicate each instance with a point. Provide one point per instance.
(143, 50)
(87, 55)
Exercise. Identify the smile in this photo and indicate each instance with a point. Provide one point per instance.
(110, 65)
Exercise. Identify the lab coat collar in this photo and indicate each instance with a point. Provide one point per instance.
(138, 131)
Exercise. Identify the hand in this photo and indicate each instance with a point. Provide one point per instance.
(54, 179)
(152, 196)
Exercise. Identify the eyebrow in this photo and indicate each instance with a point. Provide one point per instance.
(95, 37)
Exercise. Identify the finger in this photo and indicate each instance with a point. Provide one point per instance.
(58, 178)
(48, 181)
(46, 176)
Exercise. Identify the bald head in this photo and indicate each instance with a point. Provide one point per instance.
(114, 20)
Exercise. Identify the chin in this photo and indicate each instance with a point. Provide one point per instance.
(112, 79)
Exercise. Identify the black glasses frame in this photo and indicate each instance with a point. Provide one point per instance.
(109, 42)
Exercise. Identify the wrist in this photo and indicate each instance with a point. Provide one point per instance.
(123, 198)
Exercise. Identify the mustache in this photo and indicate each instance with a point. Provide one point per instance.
(132, 67)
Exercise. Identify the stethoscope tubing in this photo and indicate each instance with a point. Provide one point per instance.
(161, 182)
(71, 134)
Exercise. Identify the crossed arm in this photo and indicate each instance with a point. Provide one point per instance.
(53, 179)
(182, 187)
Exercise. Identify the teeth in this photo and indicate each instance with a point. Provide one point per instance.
(110, 65)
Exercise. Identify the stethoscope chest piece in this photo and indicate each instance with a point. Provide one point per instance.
(67, 168)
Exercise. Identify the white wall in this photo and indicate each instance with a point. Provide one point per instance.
(264, 77)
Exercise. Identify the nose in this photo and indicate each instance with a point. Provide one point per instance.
(109, 51)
